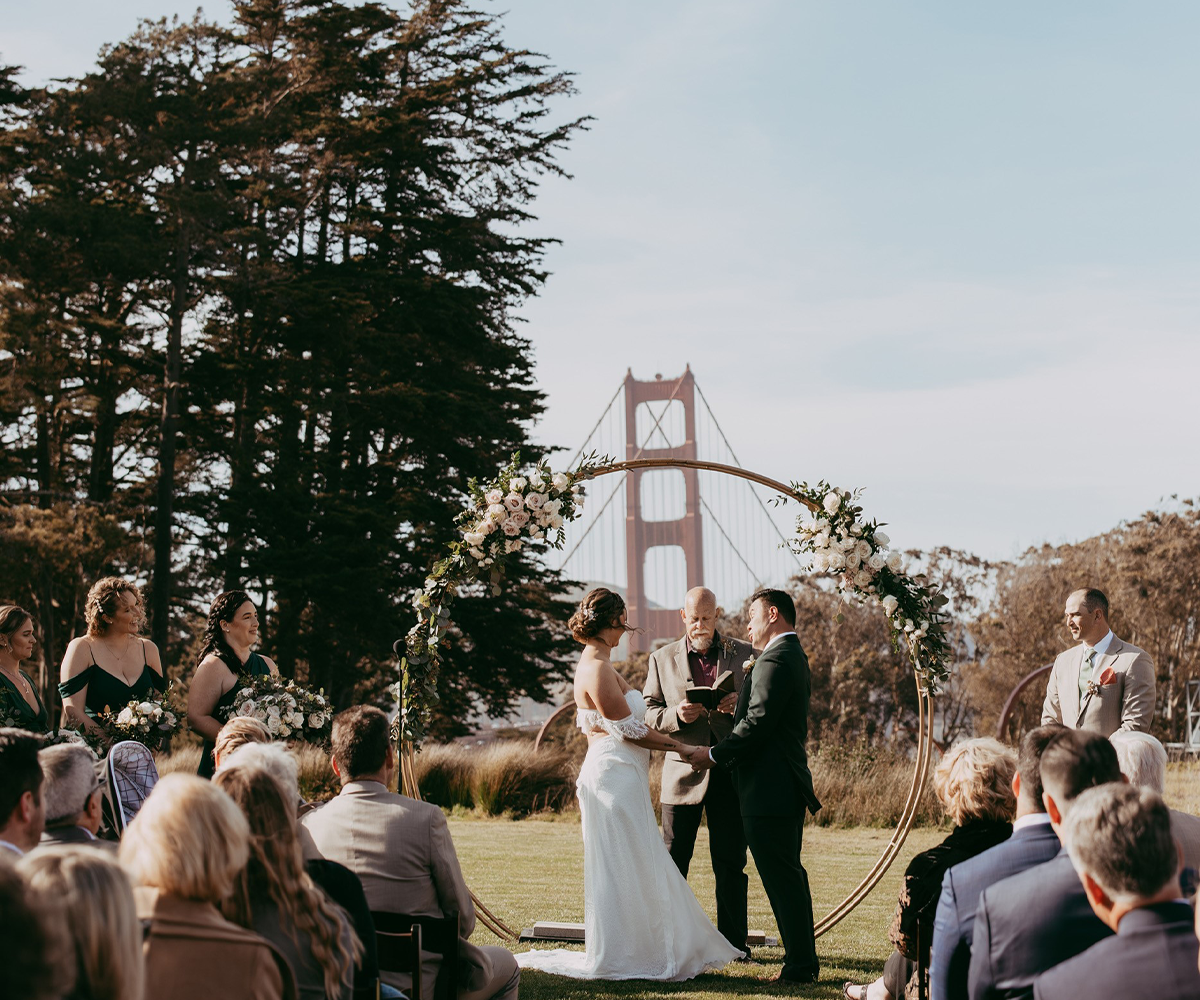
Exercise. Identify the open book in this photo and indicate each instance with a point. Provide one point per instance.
(710, 697)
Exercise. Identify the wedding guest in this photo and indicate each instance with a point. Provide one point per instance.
(1030, 922)
(33, 941)
(1033, 842)
(73, 794)
(699, 659)
(1103, 684)
(22, 806)
(111, 665)
(237, 732)
(974, 783)
(19, 698)
(227, 659)
(401, 850)
(339, 883)
(1143, 761)
(93, 894)
(184, 849)
(1122, 847)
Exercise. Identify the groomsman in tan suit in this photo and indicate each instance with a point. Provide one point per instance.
(1103, 684)
(699, 658)
(400, 848)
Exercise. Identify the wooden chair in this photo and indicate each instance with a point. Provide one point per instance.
(400, 951)
(437, 935)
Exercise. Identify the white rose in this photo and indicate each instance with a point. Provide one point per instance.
(516, 484)
(862, 579)
(853, 559)
(536, 481)
(126, 717)
(552, 506)
(145, 708)
(514, 545)
(820, 562)
(836, 562)
(556, 521)
(520, 518)
(856, 528)
(474, 538)
(489, 525)
(273, 710)
(908, 625)
(889, 605)
(316, 720)
(537, 534)
(511, 528)
(881, 539)
(821, 540)
(894, 561)
(863, 548)
(831, 503)
(273, 725)
(246, 693)
(535, 501)
(560, 481)
(497, 511)
(296, 720)
(494, 496)
(284, 730)
(876, 562)
(476, 553)
(514, 501)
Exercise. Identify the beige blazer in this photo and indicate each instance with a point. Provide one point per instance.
(1127, 703)
(667, 680)
(193, 953)
(400, 848)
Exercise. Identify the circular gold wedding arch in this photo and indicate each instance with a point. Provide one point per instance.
(924, 755)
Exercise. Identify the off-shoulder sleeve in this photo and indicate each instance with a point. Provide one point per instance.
(627, 728)
(158, 680)
(72, 685)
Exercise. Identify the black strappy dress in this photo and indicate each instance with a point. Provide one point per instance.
(255, 666)
(108, 693)
(14, 705)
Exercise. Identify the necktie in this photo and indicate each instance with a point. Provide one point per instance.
(1085, 673)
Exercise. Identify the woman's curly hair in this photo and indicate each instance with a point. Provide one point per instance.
(601, 609)
(224, 607)
(974, 780)
(103, 600)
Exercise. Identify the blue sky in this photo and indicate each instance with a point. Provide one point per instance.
(945, 252)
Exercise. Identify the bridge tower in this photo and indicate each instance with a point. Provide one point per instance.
(641, 535)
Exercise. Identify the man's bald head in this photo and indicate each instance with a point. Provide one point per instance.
(699, 615)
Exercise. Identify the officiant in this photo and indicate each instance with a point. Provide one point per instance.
(692, 688)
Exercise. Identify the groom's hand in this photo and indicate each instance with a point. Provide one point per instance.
(700, 759)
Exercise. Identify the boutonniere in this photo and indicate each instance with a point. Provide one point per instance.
(748, 665)
(727, 648)
(1107, 677)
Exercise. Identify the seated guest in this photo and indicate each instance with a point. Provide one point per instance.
(237, 732)
(1033, 842)
(338, 882)
(1030, 922)
(974, 783)
(184, 849)
(33, 941)
(1122, 847)
(22, 807)
(275, 897)
(94, 897)
(73, 795)
(1143, 761)
(401, 850)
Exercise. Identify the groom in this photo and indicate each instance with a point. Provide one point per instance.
(766, 755)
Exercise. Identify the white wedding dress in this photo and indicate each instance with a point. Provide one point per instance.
(641, 919)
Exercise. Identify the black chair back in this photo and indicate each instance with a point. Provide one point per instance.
(438, 935)
(400, 951)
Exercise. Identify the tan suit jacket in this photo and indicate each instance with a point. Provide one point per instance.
(400, 848)
(193, 953)
(1186, 828)
(1127, 703)
(667, 680)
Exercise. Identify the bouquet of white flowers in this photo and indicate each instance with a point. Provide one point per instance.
(289, 711)
(149, 722)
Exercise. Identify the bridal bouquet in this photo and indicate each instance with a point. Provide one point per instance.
(289, 711)
(149, 722)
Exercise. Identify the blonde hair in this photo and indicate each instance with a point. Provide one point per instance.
(275, 872)
(189, 839)
(102, 601)
(93, 895)
(237, 732)
(974, 780)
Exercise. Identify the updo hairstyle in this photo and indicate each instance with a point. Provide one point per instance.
(601, 609)
(103, 600)
(12, 620)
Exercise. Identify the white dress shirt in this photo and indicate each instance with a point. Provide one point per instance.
(1101, 647)
(12, 847)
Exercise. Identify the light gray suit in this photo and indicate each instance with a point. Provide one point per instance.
(1127, 703)
(400, 848)
(667, 680)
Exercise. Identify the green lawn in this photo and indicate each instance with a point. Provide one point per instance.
(533, 870)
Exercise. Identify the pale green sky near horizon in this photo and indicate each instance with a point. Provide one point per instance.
(945, 252)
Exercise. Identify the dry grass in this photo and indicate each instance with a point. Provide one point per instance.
(500, 778)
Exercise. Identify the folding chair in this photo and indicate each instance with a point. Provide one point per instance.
(131, 776)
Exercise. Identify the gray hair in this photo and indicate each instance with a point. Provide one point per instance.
(1143, 759)
(1121, 837)
(270, 757)
(70, 773)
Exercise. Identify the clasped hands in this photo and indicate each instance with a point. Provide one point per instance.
(698, 757)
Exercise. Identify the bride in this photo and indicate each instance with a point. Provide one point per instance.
(640, 917)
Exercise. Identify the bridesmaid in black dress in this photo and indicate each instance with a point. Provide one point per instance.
(226, 659)
(111, 665)
(19, 698)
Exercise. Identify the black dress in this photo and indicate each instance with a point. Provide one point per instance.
(255, 666)
(106, 693)
(14, 706)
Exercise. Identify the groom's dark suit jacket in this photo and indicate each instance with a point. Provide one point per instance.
(765, 751)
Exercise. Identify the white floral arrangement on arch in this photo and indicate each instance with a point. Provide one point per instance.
(289, 711)
(504, 516)
(853, 549)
